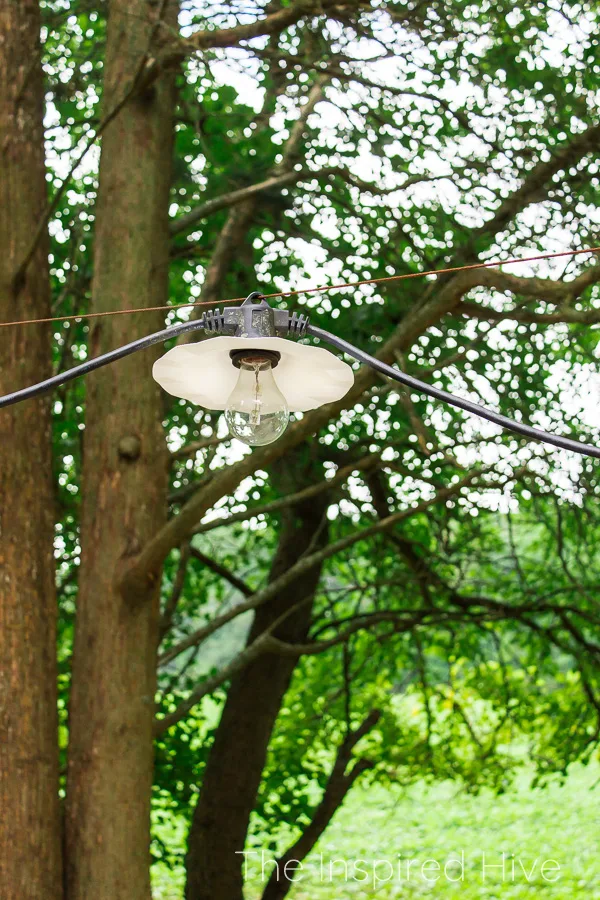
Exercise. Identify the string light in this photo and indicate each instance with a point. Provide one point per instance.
(256, 410)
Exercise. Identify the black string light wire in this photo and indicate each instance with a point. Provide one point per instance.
(409, 381)
(204, 320)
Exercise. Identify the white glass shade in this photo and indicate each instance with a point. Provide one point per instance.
(203, 373)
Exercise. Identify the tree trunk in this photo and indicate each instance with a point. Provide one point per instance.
(237, 758)
(30, 865)
(125, 470)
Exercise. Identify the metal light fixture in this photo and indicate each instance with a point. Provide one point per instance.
(253, 372)
(251, 369)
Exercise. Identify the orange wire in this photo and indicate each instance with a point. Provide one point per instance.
(329, 287)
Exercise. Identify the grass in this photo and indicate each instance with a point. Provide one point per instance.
(560, 822)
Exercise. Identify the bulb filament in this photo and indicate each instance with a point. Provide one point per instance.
(255, 413)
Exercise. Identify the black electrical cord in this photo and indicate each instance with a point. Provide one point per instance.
(97, 363)
(175, 330)
(526, 430)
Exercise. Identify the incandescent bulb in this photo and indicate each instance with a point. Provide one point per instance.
(256, 412)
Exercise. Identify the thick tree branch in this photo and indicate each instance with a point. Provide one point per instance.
(273, 23)
(544, 289)
(569, 316)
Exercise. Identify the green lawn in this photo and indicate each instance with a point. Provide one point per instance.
(561, 823)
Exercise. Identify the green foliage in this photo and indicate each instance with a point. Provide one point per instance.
(424, 158)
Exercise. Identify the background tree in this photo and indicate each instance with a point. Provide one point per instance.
(124, 459)
(383, 544)
(29, 826)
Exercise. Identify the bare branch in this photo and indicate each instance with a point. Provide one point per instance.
(572, 316)
(253, 651)
(299, 497)
(339, 783)
(306, 563)
(187, 220)
(196, 446)
(178, 583)
(536, 180)
(544, 289)
(222, 571)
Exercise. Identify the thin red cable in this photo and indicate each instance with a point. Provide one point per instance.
(315, 290)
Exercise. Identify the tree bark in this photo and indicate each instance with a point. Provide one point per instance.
(125, 469)
(30, 846)
(237, 758)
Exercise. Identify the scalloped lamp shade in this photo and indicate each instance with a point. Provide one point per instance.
(203, 373)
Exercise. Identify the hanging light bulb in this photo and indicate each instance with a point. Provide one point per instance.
(256, 411)
(233, 370)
